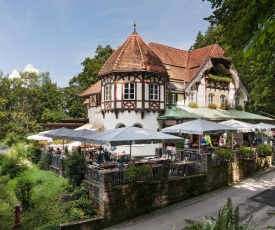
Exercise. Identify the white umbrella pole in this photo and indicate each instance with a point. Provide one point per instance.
(131, 152)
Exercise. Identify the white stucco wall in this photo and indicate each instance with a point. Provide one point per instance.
(201, 94)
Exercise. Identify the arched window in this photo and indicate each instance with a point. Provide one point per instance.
(138, 125)
(222, 99)
(237, 100)
(120, 125)
(108, 90)
(154, 92)
(211, 98)
(129, 91)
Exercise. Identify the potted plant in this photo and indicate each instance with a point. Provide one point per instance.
(137, 173)
(264, 150)
(239, 107)
(246, 152)
(212, 106)
(224, 106)
(193, 105)
(224, 155)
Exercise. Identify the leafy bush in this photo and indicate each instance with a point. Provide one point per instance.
(193, 105)
(45, 161)
(137, 172)
(212, 106)
(34, 154)
(23, 192)
(264, 150)
(246, 152)
(75, 168)
(239, 107)
(224, 154)
(224, 106)
(11, 165)
(219, 78)
(80, 207)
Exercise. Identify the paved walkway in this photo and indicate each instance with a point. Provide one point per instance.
(260, 188)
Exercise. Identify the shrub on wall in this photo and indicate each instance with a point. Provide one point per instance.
(136, 173)
(246, 152)
(264, 150)
(224, 154)
(193, 105)
(212, 106)
(239, 107)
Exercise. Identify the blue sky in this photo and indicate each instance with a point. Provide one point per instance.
(57, 35)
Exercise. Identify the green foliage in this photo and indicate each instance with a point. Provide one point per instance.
(11, 165)
(219, 78)
(34, 154)
(179, 145)
(224, 153)
(45, 161)
(264, 150)
(228, 218)
(23, 192)
(246, 152)
(248, 32)
(193, 105)
(239, 107)
(135, 173)
(224, 106)
(75, 168)
(81, 206)
(212, 106)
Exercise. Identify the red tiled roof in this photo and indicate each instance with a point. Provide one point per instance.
(174, 59)
(184, 65)
(133, 55)
(95, 88)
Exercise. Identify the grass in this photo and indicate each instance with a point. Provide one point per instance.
(47, 212)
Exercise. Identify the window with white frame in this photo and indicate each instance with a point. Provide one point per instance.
(211, 98)
(237, 100)
(108, 91)
(173, 98)
(192, 97)
(154, 92)
(222, 99)
(129, 91)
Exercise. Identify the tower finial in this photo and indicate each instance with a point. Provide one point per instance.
(135, 28)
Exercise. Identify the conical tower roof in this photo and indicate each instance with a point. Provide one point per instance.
(133, 55)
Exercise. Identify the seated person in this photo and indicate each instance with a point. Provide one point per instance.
(203, 143)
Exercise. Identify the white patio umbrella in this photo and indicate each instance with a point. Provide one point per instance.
(264, 126)
(198, 127)
(129, 136)
(37, 137)
(241, 126)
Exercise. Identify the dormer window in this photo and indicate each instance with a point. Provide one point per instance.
(154, 92)
(129, 91)
(108, 90)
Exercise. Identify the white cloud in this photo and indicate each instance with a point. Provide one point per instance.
(30, 68)
(14, 74)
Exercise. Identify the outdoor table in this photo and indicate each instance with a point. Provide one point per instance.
(158, 160)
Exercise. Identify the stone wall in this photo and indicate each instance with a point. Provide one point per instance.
(117, 203)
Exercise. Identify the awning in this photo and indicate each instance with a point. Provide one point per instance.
(98, 125)
(185, 112)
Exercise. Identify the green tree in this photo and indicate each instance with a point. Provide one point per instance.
(249, 27)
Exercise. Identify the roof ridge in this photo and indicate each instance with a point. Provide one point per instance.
(142, 58)
(203, 47)
(170, 47)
